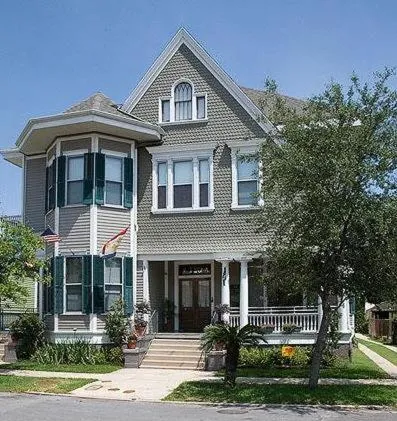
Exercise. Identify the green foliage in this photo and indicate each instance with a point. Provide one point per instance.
(290, 328)
(232, 338)
(18, 262)
(78, 351)
(29, 331)
(329, 179)
(272, 357)
(116, 324)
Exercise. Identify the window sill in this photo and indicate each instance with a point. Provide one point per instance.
(73, 313)
(77, 205)
(178, 123)
(245, 207)
(114, 206)
(181, 210)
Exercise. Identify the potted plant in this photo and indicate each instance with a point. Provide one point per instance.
(140, 322)
(131, 341)
(289, 328)
(169, 311)
(267, 328)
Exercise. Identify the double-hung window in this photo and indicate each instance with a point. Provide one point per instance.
(247, 181)
(75, 179)
(182, 180)
(73, 284)
(113, 180)
(112, 281)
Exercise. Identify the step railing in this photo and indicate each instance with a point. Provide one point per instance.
(143, 344)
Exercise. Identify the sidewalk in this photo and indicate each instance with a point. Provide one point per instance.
(385, 365)
(366, 338)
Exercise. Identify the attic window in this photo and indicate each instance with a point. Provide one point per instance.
(183, 105)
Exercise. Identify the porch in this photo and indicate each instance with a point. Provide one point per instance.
(186, 292)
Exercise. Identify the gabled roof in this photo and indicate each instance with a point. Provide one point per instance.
(183, 37)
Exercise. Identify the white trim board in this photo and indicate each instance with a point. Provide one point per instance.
(184, 37)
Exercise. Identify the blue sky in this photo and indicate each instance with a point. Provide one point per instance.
(56, 53)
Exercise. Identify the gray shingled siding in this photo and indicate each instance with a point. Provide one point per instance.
(114, 146)
(74, 228)
(110, 222)
(69, 322)
(223, 230)
(34, 211)
(139, 281)
(72, 145)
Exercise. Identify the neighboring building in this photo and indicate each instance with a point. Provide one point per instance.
(169, 164)
(380, 320)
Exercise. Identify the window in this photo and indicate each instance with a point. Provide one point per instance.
(51, 180)
(183, 184)
(113, 281)
(75, 179)
(162, 185)
(183, 104)
(204, 178)
(73, 283)
(183, 101)
(247, 181)
(113, 180)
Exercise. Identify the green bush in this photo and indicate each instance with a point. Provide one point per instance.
(272, 356)
(115, 355)
(78, 351)
(29, 331)
(116, 324)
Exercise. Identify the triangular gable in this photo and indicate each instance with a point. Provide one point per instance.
(183, 37)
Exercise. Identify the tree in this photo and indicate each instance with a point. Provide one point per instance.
(18, 260)
(330, 205)
(116, 324)
(232, 338)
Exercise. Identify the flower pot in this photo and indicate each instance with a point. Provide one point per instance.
(131, 345)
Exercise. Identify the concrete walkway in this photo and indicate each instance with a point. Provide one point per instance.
(385, 365)
(366, 338)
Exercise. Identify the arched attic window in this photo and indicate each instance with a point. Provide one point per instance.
(183, 101)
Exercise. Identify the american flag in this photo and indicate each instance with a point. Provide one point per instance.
(49, 236)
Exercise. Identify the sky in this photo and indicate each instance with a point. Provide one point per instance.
(56, 53)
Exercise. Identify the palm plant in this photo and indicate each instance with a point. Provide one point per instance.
(233, 338)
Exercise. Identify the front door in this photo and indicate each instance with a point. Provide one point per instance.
(194, 304)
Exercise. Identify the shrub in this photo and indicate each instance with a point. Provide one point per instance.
(115, 356)
(116, 324)
(271, 356)
(29, 330)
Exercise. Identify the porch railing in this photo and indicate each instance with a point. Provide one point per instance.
(304, 317)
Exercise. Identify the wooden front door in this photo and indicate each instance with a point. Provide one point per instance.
(194, 304)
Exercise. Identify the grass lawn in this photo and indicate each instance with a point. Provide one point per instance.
(381, 350)
(361, 367)
(67, 368)
(35, 384)
(283, 394)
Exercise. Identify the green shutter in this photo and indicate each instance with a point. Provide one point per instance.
(61, 164)
(58, 284)
(128, 284)
(49, 299)
(87, 284)
(46, 189)
(98, 285)
(88, 178)
(99, 178)
(128, 182)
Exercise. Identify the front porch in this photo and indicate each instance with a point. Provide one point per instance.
(185, 294)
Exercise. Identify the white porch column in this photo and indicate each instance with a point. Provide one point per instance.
(343, 311)
(145, 288)
(243, 293)
(225, 288)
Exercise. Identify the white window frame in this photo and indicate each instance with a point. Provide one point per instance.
(238, 149)
(65, 284)
(171, 98)
(171, 154)
(107, 283)
(73, 154)
(121, 155)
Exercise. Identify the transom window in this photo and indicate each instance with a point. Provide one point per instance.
(113, 180)
(112, 281)
(75, 179)
(183, 104)
(247, 181)
(73, 284)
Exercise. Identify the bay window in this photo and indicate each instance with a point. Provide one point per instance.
(73, 284)
(75, 180)
(162, 185)
(113, 180)
(204, 178)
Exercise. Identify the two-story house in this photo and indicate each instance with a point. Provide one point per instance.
(168, 164)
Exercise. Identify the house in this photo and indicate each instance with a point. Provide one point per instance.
(169, 165)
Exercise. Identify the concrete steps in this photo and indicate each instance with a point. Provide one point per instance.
(174, 353)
